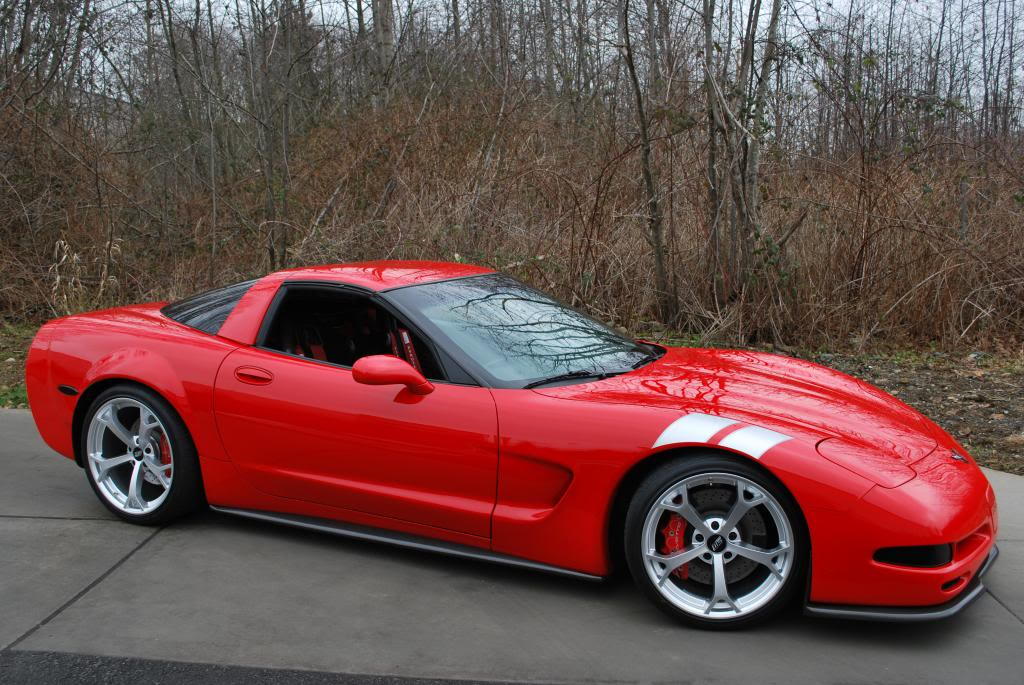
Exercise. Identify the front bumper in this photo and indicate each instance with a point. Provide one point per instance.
(971, 592)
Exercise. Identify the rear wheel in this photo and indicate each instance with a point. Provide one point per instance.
(139, 457)
(715, 542)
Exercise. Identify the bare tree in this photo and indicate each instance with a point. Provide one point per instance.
(747, 169)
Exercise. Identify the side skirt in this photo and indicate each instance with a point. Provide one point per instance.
(401, 540)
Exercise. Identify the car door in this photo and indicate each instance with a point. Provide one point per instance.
(304, 429)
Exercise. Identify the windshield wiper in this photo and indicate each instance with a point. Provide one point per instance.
(572, 375)
(649, 357)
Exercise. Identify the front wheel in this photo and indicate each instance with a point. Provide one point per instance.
(139, 457)
(715, 542)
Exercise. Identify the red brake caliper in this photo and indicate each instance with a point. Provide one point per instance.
(165, 451)
(674, 533)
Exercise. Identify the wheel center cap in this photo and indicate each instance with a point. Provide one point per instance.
(716, 543)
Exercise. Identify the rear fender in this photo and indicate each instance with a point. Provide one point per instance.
(133, 365)
(145, 368)
(194, 403)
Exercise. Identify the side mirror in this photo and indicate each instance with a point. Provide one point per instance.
(385, 369)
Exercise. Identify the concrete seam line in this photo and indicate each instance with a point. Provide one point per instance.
(1002, 604)
(81, 593)
(73, 667)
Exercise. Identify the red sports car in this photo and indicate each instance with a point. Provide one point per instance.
(452, 408)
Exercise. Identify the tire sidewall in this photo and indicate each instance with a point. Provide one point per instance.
(186, 486)
(676, 470)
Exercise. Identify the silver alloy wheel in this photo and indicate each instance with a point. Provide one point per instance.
(130, 456)
(715, 539)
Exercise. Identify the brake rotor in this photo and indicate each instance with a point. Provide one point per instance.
(163, 453)
(711, 503)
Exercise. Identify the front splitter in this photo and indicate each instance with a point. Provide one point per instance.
(975, 588)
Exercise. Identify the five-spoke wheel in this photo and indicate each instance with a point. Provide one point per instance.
(715, 541)
(136, 451)
(129, 455)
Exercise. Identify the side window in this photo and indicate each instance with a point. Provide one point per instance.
(338, 327)
(207, 311)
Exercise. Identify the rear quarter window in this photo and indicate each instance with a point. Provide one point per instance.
(207, 311)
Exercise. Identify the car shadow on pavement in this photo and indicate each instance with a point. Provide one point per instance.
(470, 577)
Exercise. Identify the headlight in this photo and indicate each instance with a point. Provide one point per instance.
(875, 464)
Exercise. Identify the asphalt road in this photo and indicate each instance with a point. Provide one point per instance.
(218, 599)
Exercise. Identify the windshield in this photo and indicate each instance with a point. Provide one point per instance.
(513, 335)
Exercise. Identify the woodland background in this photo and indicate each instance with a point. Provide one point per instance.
(842, 174)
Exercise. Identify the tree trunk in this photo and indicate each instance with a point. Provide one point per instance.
(384, 31)
(655, 224)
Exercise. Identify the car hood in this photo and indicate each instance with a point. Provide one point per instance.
(770, 390)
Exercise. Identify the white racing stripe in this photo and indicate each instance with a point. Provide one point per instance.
(692, 428)
(753, 440)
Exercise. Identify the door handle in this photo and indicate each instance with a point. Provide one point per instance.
(253, 375)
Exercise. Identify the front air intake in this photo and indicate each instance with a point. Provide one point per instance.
(923, 556)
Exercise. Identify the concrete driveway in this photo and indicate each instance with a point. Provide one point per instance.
(84, 595)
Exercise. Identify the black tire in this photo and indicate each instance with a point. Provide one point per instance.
(662, 481)
(185, 494)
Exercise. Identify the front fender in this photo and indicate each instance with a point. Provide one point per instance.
(592, 454)
(788, 452)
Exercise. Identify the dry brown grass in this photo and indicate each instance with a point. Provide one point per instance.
(879, 256)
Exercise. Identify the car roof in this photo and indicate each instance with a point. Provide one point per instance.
(382, 274)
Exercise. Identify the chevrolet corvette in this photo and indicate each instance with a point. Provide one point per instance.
(452, 408)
